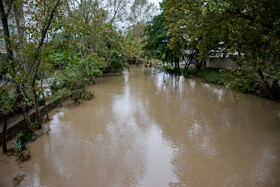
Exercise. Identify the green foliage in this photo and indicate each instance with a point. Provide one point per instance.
(157, 38)
(249, 28)
(20, 144)
(4, 97)
(158, 67)
(115, 64)
(76, 75)
(212, 76)
(7, 95)
(208, 75)
(168, 67)
(61, 59)
(36, 126)
(240, 80)
(189, 73)
(3, 68)
(87, 95)
(26, 136)
(19, 147)
(58, 111)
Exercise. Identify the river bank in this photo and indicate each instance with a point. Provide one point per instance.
(243, 84)
(16, 120)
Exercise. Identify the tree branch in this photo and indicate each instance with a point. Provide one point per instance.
(44, 32)
(9, 8)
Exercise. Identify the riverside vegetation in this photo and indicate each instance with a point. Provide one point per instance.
(59, 49)
(195, 30)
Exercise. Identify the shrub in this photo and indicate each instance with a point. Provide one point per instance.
(212, 76)
(116, 64)
(240, 80)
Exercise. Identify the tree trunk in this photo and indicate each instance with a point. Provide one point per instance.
(17, 19)
(37, 107)
(35, 97)
(190, 58)
(5, 150)
(177, 65)
(266, 84)
(4, 19)
(26, 116)
(198, 66)
(198, 63)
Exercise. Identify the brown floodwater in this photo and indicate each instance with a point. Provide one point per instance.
(145, 129)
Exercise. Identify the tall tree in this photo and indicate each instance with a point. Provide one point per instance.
(249, 28)
(25, 68)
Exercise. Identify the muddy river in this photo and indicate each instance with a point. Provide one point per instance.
(156, 130)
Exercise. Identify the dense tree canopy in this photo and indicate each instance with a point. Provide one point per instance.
(247, 29)
(157, 38)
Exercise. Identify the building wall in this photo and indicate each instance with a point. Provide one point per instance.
(12, 27)
(216, 62)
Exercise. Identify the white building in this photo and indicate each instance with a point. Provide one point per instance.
(13, 28)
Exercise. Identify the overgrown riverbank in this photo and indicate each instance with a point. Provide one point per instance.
(243, 83)
(208, 75)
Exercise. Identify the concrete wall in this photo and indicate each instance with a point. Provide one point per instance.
(216, 62)
(15, 126)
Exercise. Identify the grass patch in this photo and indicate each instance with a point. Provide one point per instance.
(58, 111)
(212, 76)
(208, 75)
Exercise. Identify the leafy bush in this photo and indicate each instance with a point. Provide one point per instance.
(212, 76)
(25, 136)
(208, 75)
(4, 94)
(240, 80)
(189, 73)
(3, 68)
(20, 144)
(169, 69)
(76, 76)
(158, 67)
(116, 64)
(63, 58)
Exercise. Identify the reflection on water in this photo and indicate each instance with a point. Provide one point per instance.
(201, 139)
(145, 129)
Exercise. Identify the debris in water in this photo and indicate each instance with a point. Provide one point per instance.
(40, 134)
(18, 179)
(24, 156)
